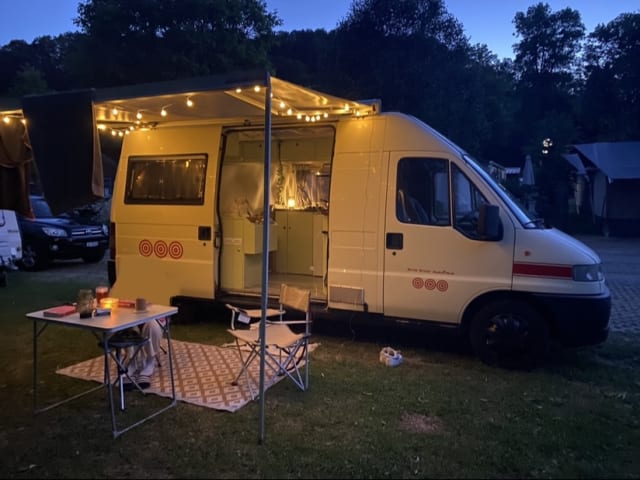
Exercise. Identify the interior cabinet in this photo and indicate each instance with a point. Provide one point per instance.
(242, 252)
(295, 240)
(301, 242)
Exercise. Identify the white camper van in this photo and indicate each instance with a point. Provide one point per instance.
(10, 244)
(375, 212)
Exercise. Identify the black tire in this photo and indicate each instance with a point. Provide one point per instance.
(509, 334)
(3, 278)
(94, 257)
(33, 259)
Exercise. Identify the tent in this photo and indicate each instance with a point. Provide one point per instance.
(612, 173)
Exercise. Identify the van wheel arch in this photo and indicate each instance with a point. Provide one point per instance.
(507, 330)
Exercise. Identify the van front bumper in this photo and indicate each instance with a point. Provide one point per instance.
(579, 320)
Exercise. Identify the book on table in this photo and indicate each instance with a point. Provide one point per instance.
(60, 311)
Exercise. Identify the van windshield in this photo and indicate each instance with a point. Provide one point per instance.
(524, 216)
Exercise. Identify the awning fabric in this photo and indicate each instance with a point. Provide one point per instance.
(15, 167)
(66, 147)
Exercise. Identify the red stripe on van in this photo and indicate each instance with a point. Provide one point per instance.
(543, 270)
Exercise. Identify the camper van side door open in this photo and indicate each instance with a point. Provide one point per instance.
(433, 257)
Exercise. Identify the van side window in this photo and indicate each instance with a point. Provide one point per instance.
(422, 191)
(166, 180)
(466, 203)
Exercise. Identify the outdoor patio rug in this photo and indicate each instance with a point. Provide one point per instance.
(203, 375)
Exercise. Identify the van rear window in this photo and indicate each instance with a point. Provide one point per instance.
(166, 180)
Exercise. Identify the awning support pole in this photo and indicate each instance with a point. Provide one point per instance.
(266, 220)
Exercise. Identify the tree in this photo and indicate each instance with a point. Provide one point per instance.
(13, 57)
(611, 102)
(27, 81)
(415, 56)
(550, 45)
(148, 40)
(547, 71)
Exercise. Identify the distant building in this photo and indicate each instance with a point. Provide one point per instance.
(608, 184)
(502, 173)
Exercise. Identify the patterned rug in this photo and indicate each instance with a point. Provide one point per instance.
(202, 374)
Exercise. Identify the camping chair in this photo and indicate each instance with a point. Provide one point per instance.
(115, 346)
(284, 348)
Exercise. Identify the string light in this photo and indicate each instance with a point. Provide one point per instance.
(121, 121)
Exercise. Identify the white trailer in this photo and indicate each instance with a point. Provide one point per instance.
(10, 244)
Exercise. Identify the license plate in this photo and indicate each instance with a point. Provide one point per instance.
(92, 244)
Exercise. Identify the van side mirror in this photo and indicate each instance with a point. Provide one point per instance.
(489, 225)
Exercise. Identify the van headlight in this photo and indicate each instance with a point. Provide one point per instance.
(54, 232)
(105, 230)
(588, 273)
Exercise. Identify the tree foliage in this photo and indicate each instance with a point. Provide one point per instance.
(611, 102)
(148, 40)
(412, 54)
(550, 42)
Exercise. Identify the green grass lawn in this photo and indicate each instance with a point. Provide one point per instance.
(441, 413)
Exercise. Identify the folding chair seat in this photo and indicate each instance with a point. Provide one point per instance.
(116, 346)
(247, 316)
(285, 349)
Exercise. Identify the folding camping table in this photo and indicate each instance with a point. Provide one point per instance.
(104, 327)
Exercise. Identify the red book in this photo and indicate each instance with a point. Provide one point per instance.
(61, 311)
(126, 303)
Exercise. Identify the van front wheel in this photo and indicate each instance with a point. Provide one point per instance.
(510, 334)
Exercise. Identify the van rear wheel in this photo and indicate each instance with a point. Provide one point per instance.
(510, 334)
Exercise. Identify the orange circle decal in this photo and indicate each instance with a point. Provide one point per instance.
(175, 250)
(417, 282)
(145, 248)
(442, 285)
(430, 284)
(160, 248)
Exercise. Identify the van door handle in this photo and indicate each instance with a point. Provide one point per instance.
(395, 241)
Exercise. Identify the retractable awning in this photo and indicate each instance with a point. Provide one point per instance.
(62, 128)
(229, 98)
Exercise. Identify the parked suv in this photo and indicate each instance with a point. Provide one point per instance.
(47, 237)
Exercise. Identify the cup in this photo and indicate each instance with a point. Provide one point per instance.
(141, 304)
(101, 292)
(85, 302)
